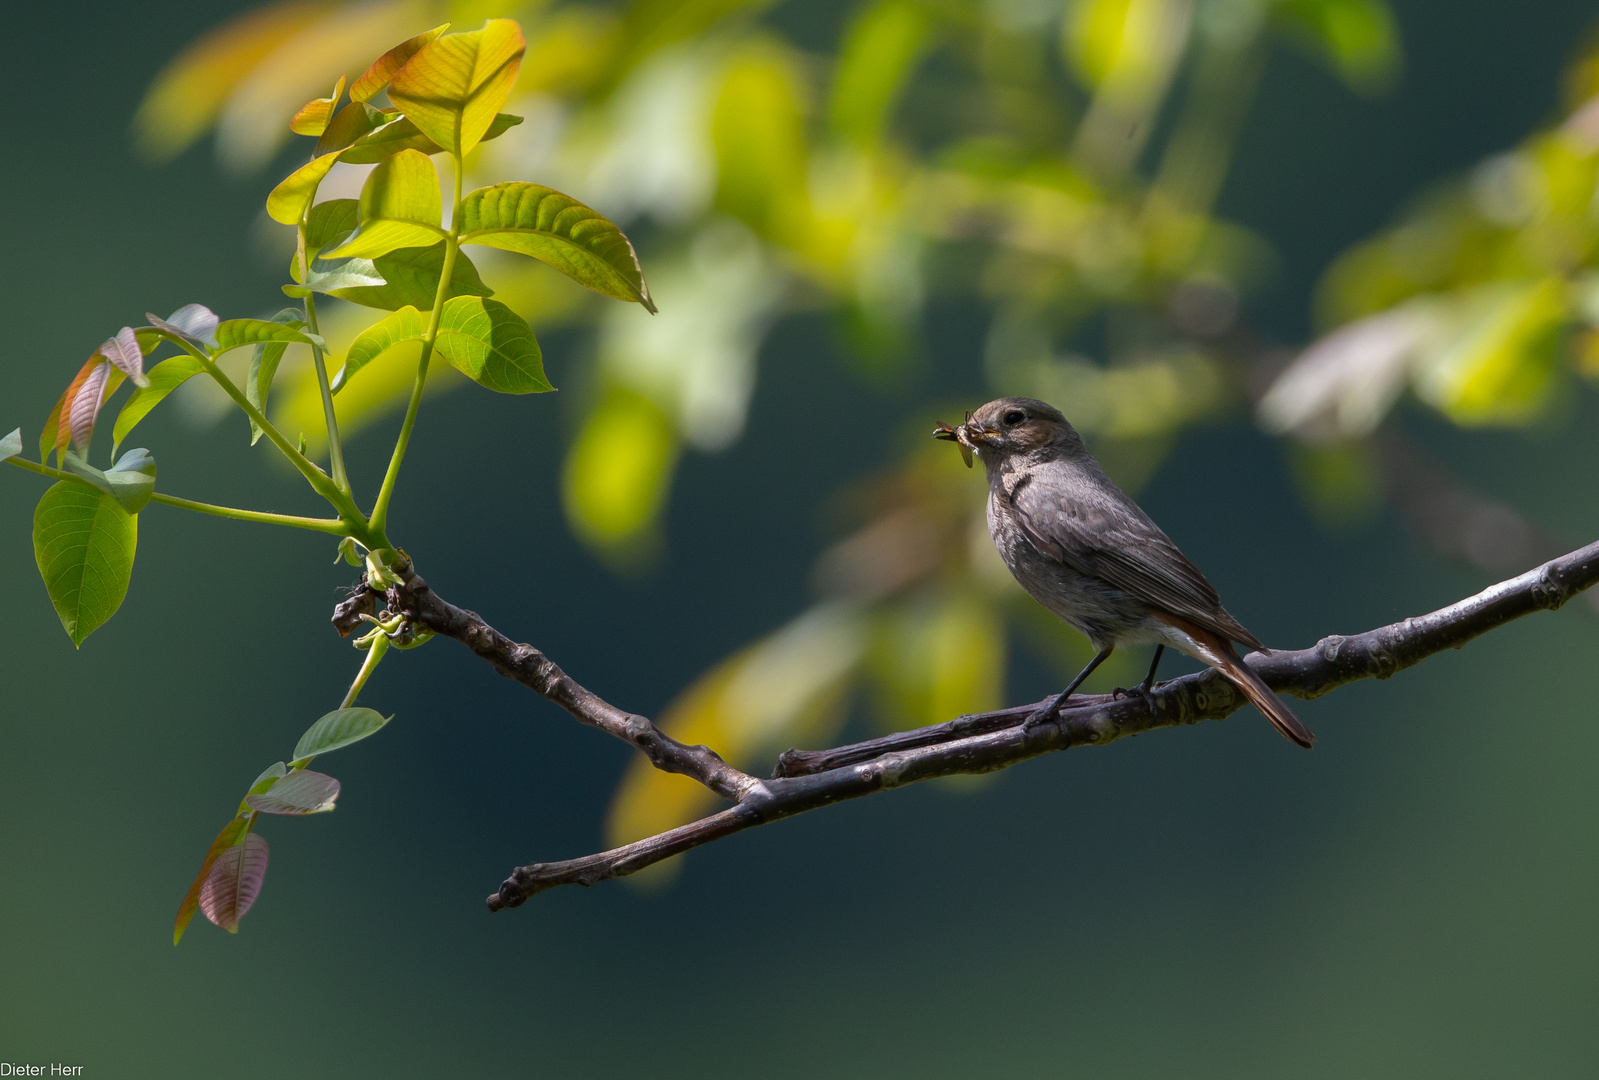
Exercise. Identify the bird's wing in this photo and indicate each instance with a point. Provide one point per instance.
(1098, 531)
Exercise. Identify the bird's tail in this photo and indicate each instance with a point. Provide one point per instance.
(1216, 651)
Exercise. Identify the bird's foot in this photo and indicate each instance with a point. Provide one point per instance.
(1046, 714)
(1143, 691)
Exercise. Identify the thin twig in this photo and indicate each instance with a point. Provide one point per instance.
(980, 743)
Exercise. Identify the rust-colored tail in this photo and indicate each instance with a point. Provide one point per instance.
(1218, 652)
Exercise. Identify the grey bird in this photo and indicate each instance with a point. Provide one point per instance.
(1088, 553)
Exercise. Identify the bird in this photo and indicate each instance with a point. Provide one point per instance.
(1087, 552)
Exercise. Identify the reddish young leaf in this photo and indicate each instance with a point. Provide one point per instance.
(376, 77)
(124, 351)
(300, 792)
(233, 884)
(228, 837)
(196, 322)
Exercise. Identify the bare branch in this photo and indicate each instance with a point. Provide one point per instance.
(983, 742)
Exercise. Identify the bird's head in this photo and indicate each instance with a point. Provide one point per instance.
(1007, 426)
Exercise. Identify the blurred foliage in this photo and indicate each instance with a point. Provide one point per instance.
(1057, 163)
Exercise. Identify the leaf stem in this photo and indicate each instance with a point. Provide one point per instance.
(380, 645)
(319, 480)
(452, 246)
(341, 479)
(332, 526)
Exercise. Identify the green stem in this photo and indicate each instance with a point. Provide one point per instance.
(341, 479)
(452, 246)
(318, 479)
(332, 526)
(380, 645)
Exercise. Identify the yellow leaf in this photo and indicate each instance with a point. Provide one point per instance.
(290, 199)
(453, 87)
(313, 117)
(1497, 367)
(376, 77)
(617, 473)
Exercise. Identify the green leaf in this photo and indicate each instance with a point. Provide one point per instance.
(491, 345)
(326, 223)
(1359, 38)
(131, 481)
(453, 86)
(559, 230)
(289, 199)
(336, 730)
(401, 134)
(264, 365)
(165, 377)
(300, 792)
(11, 445)
(84, 544)
(350, 124)
(236, 333)
(230, 836)
(231, 888)
(400, 207)
(376, 77)
(407, 276)
(407, 324)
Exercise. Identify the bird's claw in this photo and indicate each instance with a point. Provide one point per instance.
(1142, 691)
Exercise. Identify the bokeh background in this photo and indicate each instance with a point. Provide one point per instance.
(1413, 898)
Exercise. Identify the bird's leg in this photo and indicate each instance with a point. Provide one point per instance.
(1145, 688)
(1048, 712)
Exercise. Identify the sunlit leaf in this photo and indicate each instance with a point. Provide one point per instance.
(165, 377)
(407, 276)
(131, 481)
(376, 77)
(11, 445)
(313, 117)
(349, 125)
(407, 324)
(400, 207)
(237, 333)
(401, 134)
(300, 792)
(189, 93)
(615, 477)
(84, 544)
(559, 230)
(290, 199)
(880, 50)
(785, 690)
(227, 838)
(337, 729)
(1497, 365)
(491, 345)
(234, 882)
(453, 87)
(1125, 48)
(194, 322)
(80, 405)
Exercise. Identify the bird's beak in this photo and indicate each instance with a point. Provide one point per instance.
(959, 435)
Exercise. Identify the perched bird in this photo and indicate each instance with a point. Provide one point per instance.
(1088, 553)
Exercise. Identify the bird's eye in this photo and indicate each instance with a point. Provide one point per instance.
(1015, 416)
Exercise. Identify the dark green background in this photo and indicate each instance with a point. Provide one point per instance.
(1414, 898)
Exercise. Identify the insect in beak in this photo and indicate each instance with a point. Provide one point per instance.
(957, 435)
